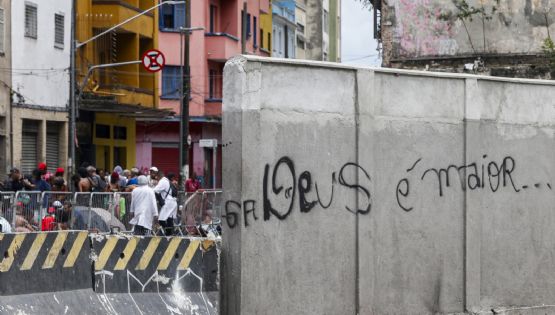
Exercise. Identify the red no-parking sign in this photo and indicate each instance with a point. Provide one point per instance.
(153, 60)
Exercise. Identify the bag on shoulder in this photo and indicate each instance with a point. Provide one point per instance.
(159, 200)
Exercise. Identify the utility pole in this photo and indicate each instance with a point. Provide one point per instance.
(244, 29)
(185, 96)
(72, 104)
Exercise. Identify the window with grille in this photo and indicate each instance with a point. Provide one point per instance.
(59, 31)
(172, 16)
(1, 30)
(171, 82)
(30, 20)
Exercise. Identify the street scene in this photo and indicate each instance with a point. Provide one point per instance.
(277, 157)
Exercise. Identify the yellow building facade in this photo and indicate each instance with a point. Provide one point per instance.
(113, 97)
(266, 30)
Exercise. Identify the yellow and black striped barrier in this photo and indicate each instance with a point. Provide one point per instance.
(151, 264)
(44, 262)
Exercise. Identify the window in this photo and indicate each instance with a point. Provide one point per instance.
(120, 133)
(275, 44)
(59, 31)
(102, 131)
(1, 30)
(212, 84)
(270, 40)
(171, 82)
(300, 28)
(300, 43)
(172, 17)
(254, 32)
(212, 18)
(30, 20)
(248, 25)
(261, 38)
(326, 17)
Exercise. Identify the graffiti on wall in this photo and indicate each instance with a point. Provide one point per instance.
(486, 174)
(285, 188)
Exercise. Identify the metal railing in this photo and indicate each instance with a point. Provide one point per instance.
(198, 213)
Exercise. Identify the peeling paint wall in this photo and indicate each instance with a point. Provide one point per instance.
(430, 29)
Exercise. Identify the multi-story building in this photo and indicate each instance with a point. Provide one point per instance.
(300, 19)
(284, 29)
(40, 58)
(506, 38)
(322, 29)
(114, 98)
(6, 159)
(222, 38)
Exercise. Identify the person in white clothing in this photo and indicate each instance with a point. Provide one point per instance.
(143, 207)
(169, 211)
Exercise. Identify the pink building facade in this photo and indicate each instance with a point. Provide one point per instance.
(158, 140)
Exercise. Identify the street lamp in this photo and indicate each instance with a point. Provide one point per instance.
(74, 46)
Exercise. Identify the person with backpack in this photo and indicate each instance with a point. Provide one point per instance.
(168, 207)
(97, 184)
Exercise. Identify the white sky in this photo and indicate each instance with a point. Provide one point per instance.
(358, 46)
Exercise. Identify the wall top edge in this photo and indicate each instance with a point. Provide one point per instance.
(430, 74)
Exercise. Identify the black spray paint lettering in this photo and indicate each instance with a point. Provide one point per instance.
(471, 176)
(304, 184)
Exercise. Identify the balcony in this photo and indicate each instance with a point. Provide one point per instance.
(221, 46)
(108, 13)
(213, 107)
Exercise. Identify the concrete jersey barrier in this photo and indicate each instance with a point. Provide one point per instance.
(72, 272)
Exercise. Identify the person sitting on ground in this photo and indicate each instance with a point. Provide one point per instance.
(48, 223)
(143, 208)
(22, 222)
(64, 216)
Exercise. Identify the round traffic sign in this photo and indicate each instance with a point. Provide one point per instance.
(153, 60)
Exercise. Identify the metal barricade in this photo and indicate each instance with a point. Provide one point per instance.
(56, 210)
(6, 212)
(200, 213)
(27, 209)
(100, 212)
(123, 205)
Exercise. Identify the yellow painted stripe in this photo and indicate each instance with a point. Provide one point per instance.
(105, 253)
(168, 254)
(14, 246)
(55, 250)
(127, 253)
(189, 253)
(149, 252)
(75, 249)
(33, 252)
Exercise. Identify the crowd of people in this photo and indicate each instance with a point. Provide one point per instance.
(153, 205)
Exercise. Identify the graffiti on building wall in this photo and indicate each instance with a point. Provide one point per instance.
(421, 30)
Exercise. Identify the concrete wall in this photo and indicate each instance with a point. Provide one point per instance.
(385, 191)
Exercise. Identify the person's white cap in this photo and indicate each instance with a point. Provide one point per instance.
(154, 169)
